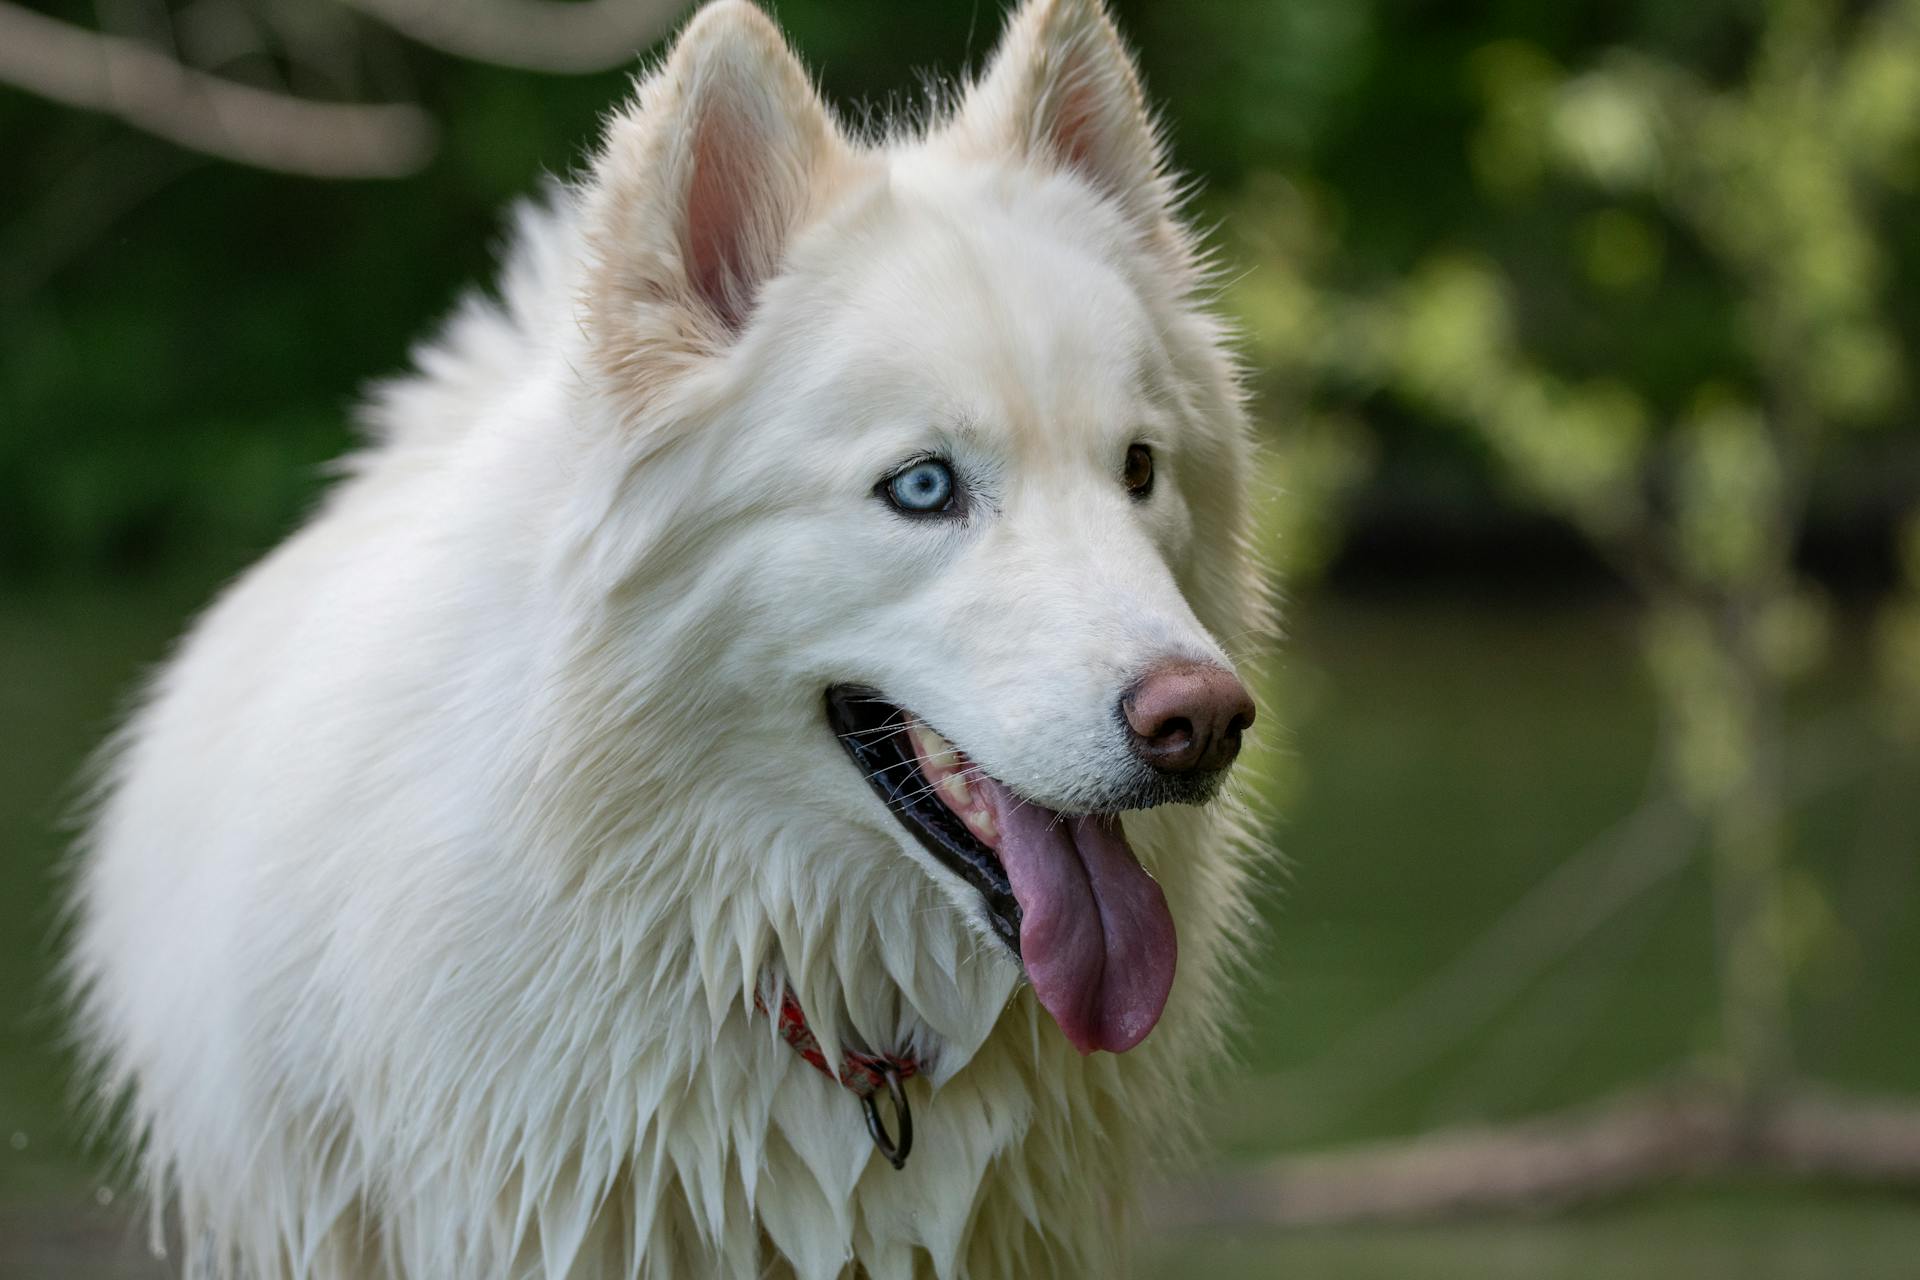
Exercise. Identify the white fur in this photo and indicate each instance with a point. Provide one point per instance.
(421, 921)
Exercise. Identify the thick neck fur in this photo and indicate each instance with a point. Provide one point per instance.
(681, 865)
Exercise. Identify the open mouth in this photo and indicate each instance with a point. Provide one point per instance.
(1064, 892)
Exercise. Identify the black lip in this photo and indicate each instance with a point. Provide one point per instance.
(870, 728)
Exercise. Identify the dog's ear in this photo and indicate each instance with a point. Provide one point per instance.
(1062, 90)
(702, 181)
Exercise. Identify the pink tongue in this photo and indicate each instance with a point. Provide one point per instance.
(1095, 933)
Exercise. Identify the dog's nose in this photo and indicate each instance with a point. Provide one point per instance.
(1187, 717)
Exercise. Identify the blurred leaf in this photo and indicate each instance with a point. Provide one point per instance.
(1515, 81)
(1605, 124)
(1727, 491)
(1712, 730)
(1620, 250)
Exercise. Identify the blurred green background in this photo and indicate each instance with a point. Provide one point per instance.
(1579, 336)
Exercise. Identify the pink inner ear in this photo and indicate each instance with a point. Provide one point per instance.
(1093, 128)
(1077, 127)
(720, 217)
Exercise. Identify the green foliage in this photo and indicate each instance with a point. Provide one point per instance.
(1785, 181)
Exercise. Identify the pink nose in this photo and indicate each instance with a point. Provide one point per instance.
(1187, 717)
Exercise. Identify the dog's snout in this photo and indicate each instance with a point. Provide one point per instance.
(1187, 717)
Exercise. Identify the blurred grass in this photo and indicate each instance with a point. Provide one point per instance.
(72, 656)
(1455, 756)
(1450, 755)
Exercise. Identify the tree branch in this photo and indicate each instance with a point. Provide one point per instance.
(536, 35)
(152, 92)
(1638, 1141)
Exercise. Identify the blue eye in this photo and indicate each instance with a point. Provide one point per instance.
(923, 488)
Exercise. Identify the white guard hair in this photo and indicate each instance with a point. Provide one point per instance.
(420, 923)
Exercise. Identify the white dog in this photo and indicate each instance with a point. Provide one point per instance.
(546, 862)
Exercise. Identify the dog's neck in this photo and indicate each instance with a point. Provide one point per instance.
(676, 894)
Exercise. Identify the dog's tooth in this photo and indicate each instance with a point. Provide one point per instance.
(922, 739)
(981, 822)
(935, 751)
(954, 789)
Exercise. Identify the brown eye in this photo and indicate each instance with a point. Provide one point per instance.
(1139, 473)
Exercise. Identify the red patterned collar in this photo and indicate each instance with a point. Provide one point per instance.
(862, 1074)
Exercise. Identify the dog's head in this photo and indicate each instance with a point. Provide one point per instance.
(947, 430)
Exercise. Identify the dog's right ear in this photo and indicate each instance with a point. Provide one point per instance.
(703, 180)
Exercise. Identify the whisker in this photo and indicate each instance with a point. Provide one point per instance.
(966, 775)
(889, 730)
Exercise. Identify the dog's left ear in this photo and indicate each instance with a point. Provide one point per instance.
(1062, 90)
(701, 185)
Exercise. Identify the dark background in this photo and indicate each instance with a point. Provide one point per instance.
(185, 338)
